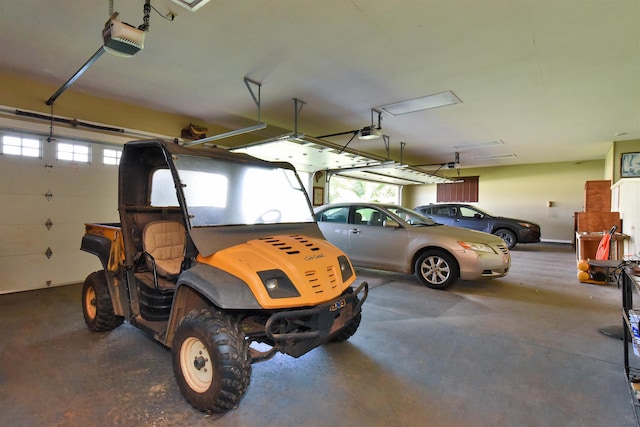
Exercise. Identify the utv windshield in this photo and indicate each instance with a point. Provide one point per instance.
(220, 192)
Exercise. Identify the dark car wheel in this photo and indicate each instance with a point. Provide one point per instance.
(437, 270)
(508, 236)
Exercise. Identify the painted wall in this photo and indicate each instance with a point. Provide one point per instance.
(523, 192)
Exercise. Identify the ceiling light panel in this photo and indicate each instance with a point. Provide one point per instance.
(477, 145)
(495, 157)
(424, 103)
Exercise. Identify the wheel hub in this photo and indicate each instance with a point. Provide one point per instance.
(199, 362)
(195, 364)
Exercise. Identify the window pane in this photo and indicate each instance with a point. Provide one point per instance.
(111, 157)
(14, 145)
(74, 152)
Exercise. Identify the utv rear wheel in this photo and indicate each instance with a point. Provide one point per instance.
(211, 360)
(97, 307)
(437, 269)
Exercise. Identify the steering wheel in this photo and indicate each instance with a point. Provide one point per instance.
(270, 216)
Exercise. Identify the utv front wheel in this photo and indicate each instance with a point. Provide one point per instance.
(348, 330)
(211, 360)
(97, 307)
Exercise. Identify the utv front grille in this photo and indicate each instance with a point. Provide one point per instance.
(316, 282)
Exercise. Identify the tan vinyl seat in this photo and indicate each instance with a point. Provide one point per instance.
(165, 242)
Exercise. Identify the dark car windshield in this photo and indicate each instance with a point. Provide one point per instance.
(411, 217)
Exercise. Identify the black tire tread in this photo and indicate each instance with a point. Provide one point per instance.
(348, 330)
(105, 319)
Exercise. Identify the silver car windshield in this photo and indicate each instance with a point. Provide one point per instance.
(227, 193)
(411, 217)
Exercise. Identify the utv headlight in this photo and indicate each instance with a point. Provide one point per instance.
(478, 247)
(345, 268)
(278, 284)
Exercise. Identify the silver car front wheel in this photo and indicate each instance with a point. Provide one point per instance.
(436, 269)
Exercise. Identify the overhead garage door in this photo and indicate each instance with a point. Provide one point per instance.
(44, 203)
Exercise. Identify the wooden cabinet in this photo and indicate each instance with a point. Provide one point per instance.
(597, 196)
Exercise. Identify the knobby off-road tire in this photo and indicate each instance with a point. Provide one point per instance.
(351, 327)
(97, 307)
(348, 330)
(211, 360)
(437, 269)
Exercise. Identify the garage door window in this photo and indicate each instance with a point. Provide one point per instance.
(18, 146)
(111, 157)
(72, 152)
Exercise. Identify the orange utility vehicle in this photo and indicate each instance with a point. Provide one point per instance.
(216, 255)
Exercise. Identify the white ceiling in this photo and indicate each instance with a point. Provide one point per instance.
(554, 80)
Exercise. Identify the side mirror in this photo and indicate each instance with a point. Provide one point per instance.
(477, 216)
(390, 223)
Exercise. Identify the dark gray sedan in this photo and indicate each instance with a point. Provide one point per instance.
(390, 237)
(512, 231)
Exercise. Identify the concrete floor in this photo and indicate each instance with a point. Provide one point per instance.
(519, 351)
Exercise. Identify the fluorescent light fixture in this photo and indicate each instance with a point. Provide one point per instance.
(418, 104)
(191, 5)
(495, 157)
(476, 145)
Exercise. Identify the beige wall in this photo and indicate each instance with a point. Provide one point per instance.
(523, 192)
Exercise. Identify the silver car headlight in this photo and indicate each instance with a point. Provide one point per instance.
(478, 247)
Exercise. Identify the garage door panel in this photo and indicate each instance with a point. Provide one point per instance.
(79, 193)
(22, 273)
(23, 209)
(23, 239)
(85, 209)
(22, 176)
(81, 179)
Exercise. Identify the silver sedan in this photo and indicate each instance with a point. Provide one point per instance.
(390, 237)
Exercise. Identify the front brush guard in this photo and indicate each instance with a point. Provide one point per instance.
(319, 322)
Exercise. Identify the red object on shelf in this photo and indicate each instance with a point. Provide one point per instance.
(604, 246)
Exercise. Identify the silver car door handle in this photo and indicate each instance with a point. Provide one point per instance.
(355, 231)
